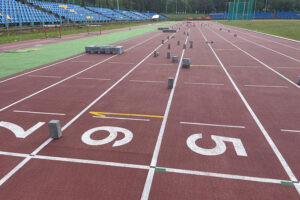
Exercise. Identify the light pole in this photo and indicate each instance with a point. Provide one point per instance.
(118, 5)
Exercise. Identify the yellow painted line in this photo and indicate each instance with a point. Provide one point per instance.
(103, 114)
(205, 65)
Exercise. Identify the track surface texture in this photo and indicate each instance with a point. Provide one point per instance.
(228, 129)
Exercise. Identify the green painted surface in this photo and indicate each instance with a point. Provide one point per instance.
(20, 60)
(284, 28)
(160, 170)
(286, 183)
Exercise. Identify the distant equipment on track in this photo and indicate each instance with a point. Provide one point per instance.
(54, 129)
(93, 49)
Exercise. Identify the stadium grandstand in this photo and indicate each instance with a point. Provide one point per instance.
(12, 11)
(16, 13)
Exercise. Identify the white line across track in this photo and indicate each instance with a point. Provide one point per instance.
(218, 125)
(262, 63)
(145, 167)
(37, 150)
(283, 162)
(149, 179)
(69, 77)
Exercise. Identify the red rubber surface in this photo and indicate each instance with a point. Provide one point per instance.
(133, 83)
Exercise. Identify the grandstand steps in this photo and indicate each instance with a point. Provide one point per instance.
(98, 13)
(41, 9)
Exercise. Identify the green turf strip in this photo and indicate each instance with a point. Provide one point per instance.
(286, 183)
(20, 60)
(160, 169)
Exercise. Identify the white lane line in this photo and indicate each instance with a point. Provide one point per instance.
(267, 86)
(122, 118)
(147, 81)
(205, 124)
(270, 68)
(47, 66)
(37, 150)
(227, 176)
(148, 183)
(42, 113)
(290, 57)
(292, 131)
(190, 83)
(44, 76)
(80, 72)
(257, 121)
(265, 38)
(245, 66)
(99, 79)
(122, 63)
(14, 170)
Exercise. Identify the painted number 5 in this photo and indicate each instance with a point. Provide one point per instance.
(220, 145)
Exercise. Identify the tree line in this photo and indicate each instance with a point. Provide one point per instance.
(187, 6)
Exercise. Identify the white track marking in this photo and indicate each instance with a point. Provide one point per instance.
(292, 58)
(79, 114)
(141, 81)
(287, 67)
(83, 61)
(226, 176)
(218, 125)
(44, 76)
(158, 64)
(99, 79)
(245, 66)
(13, 171)
(214, 84)
(145, 167)
(292, 131)
(41, 68)
(257, 121)
(267, 86)
(122, 63)
(270, 68)
(18, 130)
(80, 72)
(148, 183)
(137, 119)
(42, 113)
(265, 38)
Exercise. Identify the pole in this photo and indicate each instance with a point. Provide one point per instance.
(118, 5)
(266, 6)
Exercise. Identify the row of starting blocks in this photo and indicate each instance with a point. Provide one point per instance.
(93, 49)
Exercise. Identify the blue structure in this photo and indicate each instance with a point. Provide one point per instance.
(287, 15)
(218, 15)
(262, 15)
(12, 11)
(71, 12)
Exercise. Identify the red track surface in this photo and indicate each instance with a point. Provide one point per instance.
(244, 96)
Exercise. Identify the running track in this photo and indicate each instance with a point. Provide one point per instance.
(229, 129)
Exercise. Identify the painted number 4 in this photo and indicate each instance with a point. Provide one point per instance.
(220, 147)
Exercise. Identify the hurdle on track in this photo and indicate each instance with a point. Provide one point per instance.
(89, 32)
(46, 27)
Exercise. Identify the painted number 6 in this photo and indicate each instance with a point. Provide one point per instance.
(220, 145)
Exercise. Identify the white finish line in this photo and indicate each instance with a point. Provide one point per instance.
(99, 79)
(141, 81)
(145, 167)
(219, 125)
